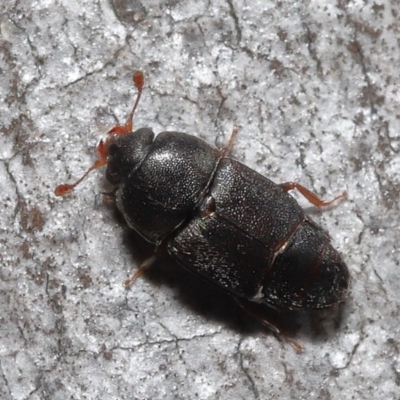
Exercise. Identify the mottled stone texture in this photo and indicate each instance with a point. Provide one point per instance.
(314, 87)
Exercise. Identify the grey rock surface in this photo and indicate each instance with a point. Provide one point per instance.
(314, 86)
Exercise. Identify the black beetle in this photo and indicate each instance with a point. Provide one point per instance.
(220, 219)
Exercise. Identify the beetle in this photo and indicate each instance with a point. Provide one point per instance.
(220, 219)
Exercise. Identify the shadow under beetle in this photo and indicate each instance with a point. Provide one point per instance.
(220, 219)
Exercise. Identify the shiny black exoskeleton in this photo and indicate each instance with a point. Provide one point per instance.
(221, 219)
(224, 221)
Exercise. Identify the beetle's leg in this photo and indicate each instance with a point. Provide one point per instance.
(227, 149)
(267, 317)
(158, 252)
(310, 196)
(110, 197)
(254, 310)
(143, 266)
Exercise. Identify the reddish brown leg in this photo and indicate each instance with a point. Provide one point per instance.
(227, 149)
(145, 264)
(109, 198)
(158, 252)
(269, 318)
(310, 196)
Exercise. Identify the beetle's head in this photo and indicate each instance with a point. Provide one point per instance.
(122, 150)
(126, 152)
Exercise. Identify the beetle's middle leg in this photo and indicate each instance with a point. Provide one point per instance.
(148, 262)
(310, 196)
(228, 147)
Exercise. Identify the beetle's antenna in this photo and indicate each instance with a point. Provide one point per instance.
(65, 188)
(138, 80)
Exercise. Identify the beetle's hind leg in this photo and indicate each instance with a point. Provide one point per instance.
(309, 195)
(271, 318)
